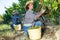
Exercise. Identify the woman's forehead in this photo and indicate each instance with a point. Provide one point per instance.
(30, 4)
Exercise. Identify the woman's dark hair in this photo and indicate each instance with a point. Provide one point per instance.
(27, 4)
(27, 7)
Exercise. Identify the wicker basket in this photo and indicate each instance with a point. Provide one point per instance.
(35, 34)
(17, 27)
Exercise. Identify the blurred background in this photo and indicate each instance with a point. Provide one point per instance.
(52, 14)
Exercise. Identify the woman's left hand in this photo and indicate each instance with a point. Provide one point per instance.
(42, 10)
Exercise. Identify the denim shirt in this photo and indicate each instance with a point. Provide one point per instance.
(29, 17)
(14, 19)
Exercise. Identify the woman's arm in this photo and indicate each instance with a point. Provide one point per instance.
(40, 14)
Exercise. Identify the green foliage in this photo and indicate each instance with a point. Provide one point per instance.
(55, 5)
(34, 27)
(52, 6)
(4, 26)
(36, 6)
(22, 5)
(1, 16)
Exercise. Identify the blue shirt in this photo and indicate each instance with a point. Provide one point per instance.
(14, 19)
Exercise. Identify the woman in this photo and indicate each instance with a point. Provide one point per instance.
(30, 17)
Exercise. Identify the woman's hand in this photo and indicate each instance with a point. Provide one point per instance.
(42, 10)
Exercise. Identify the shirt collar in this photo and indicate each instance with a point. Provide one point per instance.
(30, 10)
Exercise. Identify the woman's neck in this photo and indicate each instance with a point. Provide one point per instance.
(30, 9)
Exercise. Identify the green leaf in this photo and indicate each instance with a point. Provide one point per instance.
(45, 0)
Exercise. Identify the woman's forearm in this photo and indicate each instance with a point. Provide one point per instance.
(39, 15)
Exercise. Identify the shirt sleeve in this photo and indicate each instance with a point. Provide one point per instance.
(34, 17)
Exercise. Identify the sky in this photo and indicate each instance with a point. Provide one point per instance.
(6, 3)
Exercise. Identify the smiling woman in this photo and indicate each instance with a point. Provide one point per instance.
(6, 3)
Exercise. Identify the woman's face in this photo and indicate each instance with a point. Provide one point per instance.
(30, 6)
